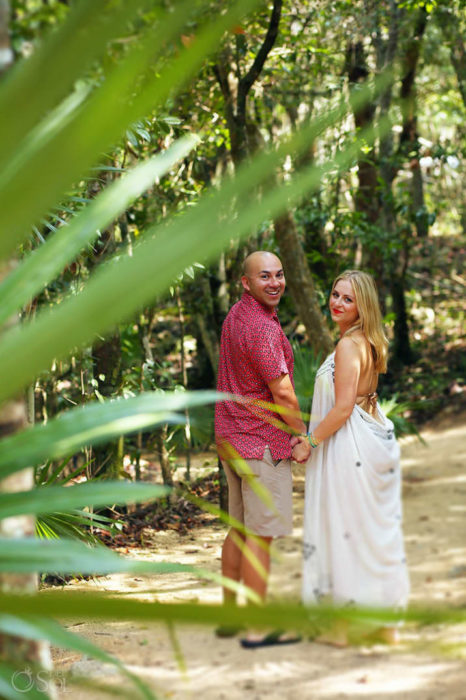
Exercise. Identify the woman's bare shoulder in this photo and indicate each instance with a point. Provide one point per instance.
(348, 347)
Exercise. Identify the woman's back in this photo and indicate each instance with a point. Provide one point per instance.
(366, 395)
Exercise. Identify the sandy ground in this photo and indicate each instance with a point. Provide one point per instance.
(429, 664)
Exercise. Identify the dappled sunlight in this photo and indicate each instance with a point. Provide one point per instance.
(220, 670)
(434, 490)
(413, 676)
(427, 664)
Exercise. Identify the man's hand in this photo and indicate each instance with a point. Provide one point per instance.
(294, 440)
(301, 450)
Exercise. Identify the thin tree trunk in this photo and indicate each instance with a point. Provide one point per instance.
(402, 352)
(300, 284)
(23, 653)
(184, 379)
(409, 139)
(164, 455)
(106, 356)
(6, 53)
(207, 324)
(386, 50)
(451, 26)
(367, 198)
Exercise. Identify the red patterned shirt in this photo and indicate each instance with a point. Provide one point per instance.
(253, 351)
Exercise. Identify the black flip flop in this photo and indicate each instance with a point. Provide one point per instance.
(271, 639)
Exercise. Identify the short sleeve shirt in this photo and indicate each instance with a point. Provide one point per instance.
(253, 351)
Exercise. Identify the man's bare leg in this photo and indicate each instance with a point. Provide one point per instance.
(255, 575)
(255, 568)
(231, 568)
(231, 562)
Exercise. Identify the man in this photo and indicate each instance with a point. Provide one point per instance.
(256, 361)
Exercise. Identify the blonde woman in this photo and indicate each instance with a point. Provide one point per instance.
(353, 541)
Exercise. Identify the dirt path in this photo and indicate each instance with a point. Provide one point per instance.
(435, 529)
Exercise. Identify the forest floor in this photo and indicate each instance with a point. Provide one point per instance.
(428, 664)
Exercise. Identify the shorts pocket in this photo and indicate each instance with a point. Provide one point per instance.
(267, 457)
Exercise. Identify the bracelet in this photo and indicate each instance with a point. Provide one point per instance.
(313, 441)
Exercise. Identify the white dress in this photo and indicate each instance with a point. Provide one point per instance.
(353, 542)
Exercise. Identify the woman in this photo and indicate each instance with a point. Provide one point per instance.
(353, 541)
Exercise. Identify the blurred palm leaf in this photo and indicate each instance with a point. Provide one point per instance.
(61, 248)
(395, 411)
(69, 141)
(76, 523)
(93, 424)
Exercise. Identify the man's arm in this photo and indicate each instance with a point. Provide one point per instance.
(284, 395)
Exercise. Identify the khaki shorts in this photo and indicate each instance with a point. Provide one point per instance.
(247, 506)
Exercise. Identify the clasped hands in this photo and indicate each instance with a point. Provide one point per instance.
(301, 448)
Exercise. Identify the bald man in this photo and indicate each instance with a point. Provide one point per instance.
(256, 361)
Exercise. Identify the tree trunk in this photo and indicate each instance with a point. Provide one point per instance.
(386, 50)
(184, 381)
(367, 199)
(223, 487)
(451, 27)
(164, 455)
(409, 140)
(24, 654)
(402, 352)
(206, 320)
(18, 652)
(6, 53)
(106, 356)
(300, 284)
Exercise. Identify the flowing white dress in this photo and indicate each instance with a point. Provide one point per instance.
(353, 541)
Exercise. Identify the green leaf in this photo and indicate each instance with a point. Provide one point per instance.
(79, 41)
(40, 268)
(288, 616)
(93, 424)
(56, 498)
(71, 557)
(29, 555)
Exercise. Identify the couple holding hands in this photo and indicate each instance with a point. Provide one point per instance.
(353, 552)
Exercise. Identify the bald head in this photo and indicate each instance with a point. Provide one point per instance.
(263, 278)
(258, 260)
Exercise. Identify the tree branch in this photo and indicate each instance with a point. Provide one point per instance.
(407, 91)
(222, 79)
(248, 80)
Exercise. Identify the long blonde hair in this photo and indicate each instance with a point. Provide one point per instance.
(370, 317)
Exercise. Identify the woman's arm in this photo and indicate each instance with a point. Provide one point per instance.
(347, 371)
